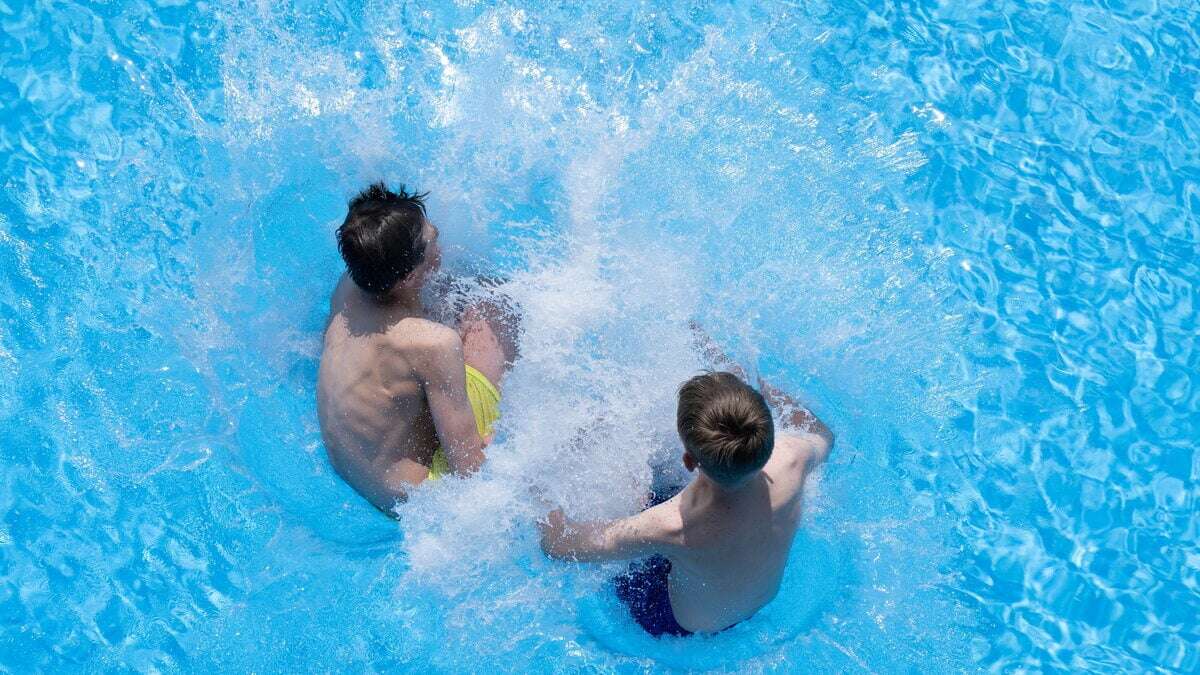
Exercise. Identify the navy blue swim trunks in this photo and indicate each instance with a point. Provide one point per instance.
(643, 589)
(643, 586)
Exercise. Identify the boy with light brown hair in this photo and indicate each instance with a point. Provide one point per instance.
(713, 554)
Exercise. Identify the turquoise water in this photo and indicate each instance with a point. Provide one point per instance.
(968, 232)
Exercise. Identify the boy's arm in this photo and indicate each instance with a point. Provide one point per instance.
(640, 535)
(444, 377)
(796, 417)
(714, 354)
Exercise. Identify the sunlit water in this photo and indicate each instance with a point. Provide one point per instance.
(966, 234)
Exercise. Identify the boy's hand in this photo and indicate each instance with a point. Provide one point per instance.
(553, 528)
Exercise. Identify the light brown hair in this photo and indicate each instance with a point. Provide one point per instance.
(726, 426)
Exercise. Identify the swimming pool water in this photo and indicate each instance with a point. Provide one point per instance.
(968, 232)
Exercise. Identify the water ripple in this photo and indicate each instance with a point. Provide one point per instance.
(979, 223)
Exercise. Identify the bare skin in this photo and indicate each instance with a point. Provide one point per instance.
(392, 385)
(727, 545)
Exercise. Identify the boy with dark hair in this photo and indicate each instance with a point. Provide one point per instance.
(401, 398)
(714, 553)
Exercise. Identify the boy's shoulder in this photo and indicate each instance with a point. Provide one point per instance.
(790, 448)
(793, 455)
(663, 522)
(422, 332)
(418, 335)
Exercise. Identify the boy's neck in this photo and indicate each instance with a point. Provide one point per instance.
(719, 492)
(404, 299)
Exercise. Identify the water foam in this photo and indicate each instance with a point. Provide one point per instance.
(623, 188)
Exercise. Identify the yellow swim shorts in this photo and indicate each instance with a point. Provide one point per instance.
(485, 403)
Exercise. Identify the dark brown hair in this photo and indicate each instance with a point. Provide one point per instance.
(726, 425)
(381, 237)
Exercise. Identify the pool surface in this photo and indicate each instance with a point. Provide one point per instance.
(967, 233)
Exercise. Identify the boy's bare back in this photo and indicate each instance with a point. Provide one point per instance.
(374, 413)
(392, 387)
(725, 537)
(728, 553)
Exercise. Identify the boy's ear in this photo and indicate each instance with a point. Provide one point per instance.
(689, 462)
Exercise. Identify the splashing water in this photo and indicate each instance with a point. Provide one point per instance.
(978, 278)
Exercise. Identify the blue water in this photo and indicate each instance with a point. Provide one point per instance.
(967, 232)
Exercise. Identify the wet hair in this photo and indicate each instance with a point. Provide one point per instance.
(380, 240)
(726, 425)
